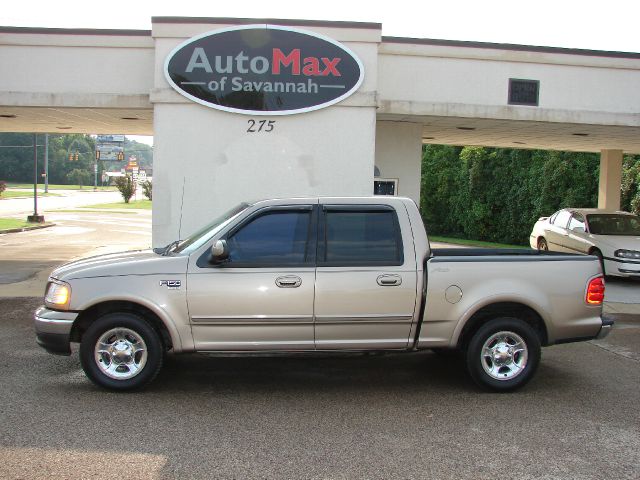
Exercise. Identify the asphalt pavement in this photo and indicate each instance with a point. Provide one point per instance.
(342, 417)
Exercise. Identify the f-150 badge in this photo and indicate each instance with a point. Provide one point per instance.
(171, 284)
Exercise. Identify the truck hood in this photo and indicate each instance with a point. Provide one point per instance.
(135, 262)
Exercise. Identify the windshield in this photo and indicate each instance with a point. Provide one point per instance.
(614, 224)
(196, 240)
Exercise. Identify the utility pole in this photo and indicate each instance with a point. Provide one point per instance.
(46, 163)
(35, 218)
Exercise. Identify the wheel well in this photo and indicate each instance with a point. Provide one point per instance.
(89, 315)
(503, 309)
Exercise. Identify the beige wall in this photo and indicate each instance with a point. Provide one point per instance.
(326, 152)
(473, 82)
(398, 155)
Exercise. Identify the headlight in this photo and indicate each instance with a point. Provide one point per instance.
(57, 294)
(632, 254)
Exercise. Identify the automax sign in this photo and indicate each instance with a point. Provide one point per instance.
(264, 70)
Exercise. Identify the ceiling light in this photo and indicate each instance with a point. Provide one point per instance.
(466, 128)
(580, 134)
(7, 116)
(64, 128)
(520, 143)
(129, 118)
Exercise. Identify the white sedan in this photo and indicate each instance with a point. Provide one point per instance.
(614, 237)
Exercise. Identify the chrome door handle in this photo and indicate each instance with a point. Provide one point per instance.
(289, 281)
(389, 280)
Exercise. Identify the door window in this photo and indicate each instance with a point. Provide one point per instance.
(365, 237)
(562, 219)
(274, 238)
(577, 223)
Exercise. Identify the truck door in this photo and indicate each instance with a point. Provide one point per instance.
(262, 298)
(366, 278)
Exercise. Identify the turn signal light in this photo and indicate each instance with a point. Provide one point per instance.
(595, 291)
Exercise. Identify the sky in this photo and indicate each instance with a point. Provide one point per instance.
(598, 25)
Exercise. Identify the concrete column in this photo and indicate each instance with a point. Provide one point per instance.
(610, 179)
(399, 155)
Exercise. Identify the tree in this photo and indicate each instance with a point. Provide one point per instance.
(126, 186)
(78, 176)
(147, 189)
(3, 187)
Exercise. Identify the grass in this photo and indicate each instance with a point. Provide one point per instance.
(9, 223)
(61, 187)
(471, 243)
(137, 204)
(79, 210)
(15, 194)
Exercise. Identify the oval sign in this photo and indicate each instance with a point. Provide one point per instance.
(263, 70)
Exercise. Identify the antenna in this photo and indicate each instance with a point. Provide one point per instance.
(181, 205)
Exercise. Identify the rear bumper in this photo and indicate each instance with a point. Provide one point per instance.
(607, 326)
(604, 330)
(53, 330)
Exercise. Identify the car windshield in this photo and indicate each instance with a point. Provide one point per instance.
(196, 240)
(614, 224)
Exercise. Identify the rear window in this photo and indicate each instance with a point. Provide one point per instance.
(353, 237)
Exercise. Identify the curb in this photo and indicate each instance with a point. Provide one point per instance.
(26, 229)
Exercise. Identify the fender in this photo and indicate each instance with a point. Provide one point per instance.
(180, 343)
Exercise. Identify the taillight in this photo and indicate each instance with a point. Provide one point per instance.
(595, 291)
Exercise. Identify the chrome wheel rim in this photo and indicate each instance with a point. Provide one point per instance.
(120, 353)
(504, 355)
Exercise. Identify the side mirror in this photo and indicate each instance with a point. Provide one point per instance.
(578, 229)
(219, 251)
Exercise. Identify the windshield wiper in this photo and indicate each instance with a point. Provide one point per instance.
(167, 249)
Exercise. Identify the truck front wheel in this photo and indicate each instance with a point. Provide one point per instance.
(503, 354)
(121, 351)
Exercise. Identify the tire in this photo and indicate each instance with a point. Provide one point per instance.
(542, 245)
(515, 367)
(121, 351)
(598, 254)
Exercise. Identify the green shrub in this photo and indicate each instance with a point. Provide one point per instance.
(126, 186)
(147, 189)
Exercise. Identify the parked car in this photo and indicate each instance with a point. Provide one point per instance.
(613, 237)
(319, 275)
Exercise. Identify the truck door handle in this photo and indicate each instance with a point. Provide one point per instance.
(289, 281)
(389, 280)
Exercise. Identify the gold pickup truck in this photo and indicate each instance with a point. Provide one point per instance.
(319, 275)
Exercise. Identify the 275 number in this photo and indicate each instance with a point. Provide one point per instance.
(256, 126)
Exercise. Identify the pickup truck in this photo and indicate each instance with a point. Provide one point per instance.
(320, 275)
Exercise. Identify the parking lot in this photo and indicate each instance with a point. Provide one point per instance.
(349, 416)
(394, 416)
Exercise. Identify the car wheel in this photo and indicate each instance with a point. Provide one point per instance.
(542, 245)
(598, 254)
(121, 351)
(503, 354)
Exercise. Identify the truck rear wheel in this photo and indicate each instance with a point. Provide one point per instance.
(121, 351)
(503, 354)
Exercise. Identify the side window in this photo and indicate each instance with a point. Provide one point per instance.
(577, 222)
(562, 219)
(361, 237)
(274, 238)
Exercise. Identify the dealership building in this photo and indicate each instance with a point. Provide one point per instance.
(243, 109)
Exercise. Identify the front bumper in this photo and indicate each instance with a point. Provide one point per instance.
(622, 268)
(53, 330)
